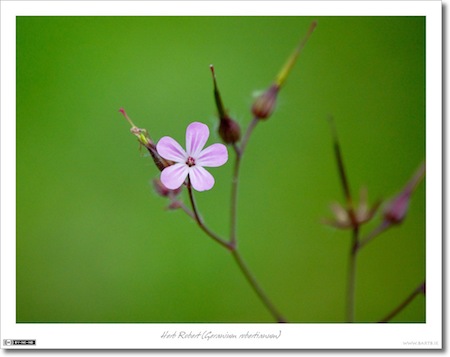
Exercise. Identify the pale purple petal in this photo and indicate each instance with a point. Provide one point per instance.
(213, 156)
(173, 176)
(196, 136)
(201, 179)
(169, 149)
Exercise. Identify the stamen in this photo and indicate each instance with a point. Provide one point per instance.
(190, 161)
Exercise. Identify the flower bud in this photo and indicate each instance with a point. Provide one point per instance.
(264, 105)
(229, 129)
(344, 220)
(174, 205)
(163, 191)
(396, 210)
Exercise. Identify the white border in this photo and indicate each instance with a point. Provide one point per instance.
(293, 336)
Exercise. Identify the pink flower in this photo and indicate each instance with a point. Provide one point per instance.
(191, 161)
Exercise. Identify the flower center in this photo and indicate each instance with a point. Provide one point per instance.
(190, 161)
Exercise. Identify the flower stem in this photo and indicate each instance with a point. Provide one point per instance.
(376, 232)
(200, 223)
(404, 303)
(232, 245)
(256, 287)
(234, 190)
(249, 131)
(351, 278)
(351, 284)
(235, 180)
(187, 210)
(233, 226)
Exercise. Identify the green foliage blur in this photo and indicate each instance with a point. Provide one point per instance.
(96, 244)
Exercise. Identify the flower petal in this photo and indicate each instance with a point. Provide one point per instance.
(213, 156)
(169, 149)
(173, 176)
(201, 179)
(196, 136)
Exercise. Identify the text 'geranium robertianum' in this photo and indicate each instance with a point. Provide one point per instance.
(191, 162)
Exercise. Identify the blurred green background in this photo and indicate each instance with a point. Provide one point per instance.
(96, 244)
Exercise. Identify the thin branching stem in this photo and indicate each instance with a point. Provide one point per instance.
(200, 222)
(235, 180)
(187, 210)
(351, 278)
(249, 131)
(351, 284)
(419, 290)
(233, 225)
(232, 245)
(234, 200)
(256, 287)
(375, 233)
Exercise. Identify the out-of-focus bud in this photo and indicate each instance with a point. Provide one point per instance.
(174, 205)
(395, 211)
(145, 140)
(264, 105)
(163, 190)
(229, 129)
(363, 213)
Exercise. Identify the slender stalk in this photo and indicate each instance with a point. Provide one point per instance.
(235, 180)
(187, 210)
(233, 224)
(232, 245)
(200, 223)
(376, 232)
(236, 255)
(233, 206)
(256, 287)
(249, 131)
(351, 284)
(420, 289)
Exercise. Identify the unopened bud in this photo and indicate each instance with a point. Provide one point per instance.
(174, 205)
(396, 210)
(229, 130)
(163, 190)
(264, 105)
